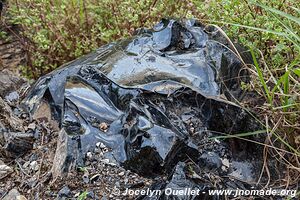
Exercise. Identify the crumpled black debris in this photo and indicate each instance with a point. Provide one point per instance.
(160, 95)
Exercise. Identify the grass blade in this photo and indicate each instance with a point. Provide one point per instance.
(283, 14)
(261, 77)
(239, 135)
(296, 9)
(286, 89)
(251, 27)
(297, 71)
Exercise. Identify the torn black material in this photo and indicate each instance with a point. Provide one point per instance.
(161, 95)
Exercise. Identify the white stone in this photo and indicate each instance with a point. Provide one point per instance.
(34, 166)
(5, 170)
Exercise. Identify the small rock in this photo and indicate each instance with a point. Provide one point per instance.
(21, 197)
(4, 170)
(112, 164)
(34, 166)
(192, 130)
(92, 195)
(225, 162)
(31, 126)
(148, 183)
(85, 179)
(106, 160)
(126, 180)
(64, 192)
(26, 164)
(31, 182)
(224, 168)
(117, 184)
(103, 126)
(104, 198)
(12, 97)
(121, 174)
(89, 155)
(14, 195)
(102, 146)
(95, 177)
(105, 150)
(77, 194)
(33, 157)
(98, 144)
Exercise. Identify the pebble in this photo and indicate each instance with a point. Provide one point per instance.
(103, 126)
(4, 170)
(85, 179)
(105, 150)
(121, 174)
(31, 126)
(98, 144)
(34, 166)
(225, 162)
(14, 194)
(117, 184)
(64, 192)
(102, 146)
(89, 155)
(26, 164)
(106, 160)
(126, 180)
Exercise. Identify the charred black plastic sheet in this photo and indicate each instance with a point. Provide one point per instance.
(158, 94)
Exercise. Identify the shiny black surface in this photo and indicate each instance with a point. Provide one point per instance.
(158, 92)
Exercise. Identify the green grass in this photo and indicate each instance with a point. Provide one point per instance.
(275, 74)
(83, 195)
(59, 31)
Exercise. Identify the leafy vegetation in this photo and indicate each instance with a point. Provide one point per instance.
(58, 31)
(61, 30)
(249, 22)
(271, 30)
(83, 195)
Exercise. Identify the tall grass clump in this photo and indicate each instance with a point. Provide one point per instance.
(270, 29)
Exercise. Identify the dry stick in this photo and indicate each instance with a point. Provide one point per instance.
(21, 168)
(264, 153)
(259, 143)
(42, 143)
(288, 179)
(287, 163)
(273, 131)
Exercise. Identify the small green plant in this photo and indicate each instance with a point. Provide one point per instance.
(3, 35)
(82, 169)
(83, 195)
